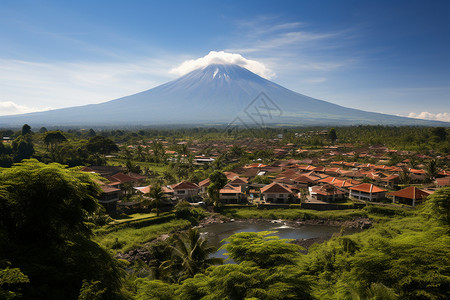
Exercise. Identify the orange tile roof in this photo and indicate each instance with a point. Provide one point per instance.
(229, 189)
(410, 193)
(275, 188)
(326, 190)
(238, 180)
(367, 188)
(205, 182)
(185, 185)
(120, 177)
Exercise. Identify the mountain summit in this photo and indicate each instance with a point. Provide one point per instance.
(215, 94)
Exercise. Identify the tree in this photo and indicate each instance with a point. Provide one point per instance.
(261, 248)
(267, 270)
(332, 135)
(91, 133)
(101, 145)
(22, 148)
(431, 169)
(42, 130)
(218, 181)
(439, 133)
(191, 254)
(156, 195)
(44, 229)
(438, 205)
(26, 129)
(52, 139)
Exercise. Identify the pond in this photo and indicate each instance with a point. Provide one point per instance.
(215, 233)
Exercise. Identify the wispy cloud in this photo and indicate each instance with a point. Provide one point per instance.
(37, 85)
(11, 108)
(221, 57)
(444, 116)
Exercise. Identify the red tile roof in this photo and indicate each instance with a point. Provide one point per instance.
(275, 188)
(229, 189)
(185, 185)
(410, 193)
(205, 182)
(367, 188)
(120, 177)
(326, 190)
(238, 180)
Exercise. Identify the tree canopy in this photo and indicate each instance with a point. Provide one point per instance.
(44, 230)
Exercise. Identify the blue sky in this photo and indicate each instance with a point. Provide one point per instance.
(383, 56)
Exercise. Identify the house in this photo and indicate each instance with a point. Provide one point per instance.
(109, 198)
(168, 192)
(368, 192)
(185, 190)
(203, 185)
(410, 195)
(239, 182)
(327, 193)
(276, 193)
(391, 180)
(122, 179)
(441, 182)
(231, 194)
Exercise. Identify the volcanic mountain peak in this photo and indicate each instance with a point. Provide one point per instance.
(218, 94)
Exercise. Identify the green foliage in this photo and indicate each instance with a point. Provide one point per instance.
(26, 129)
(44, 229)
(438, 205)
(156, 197)
(332, 135)
(191, 255)
(262, 248)
(218, 181)
(125, 237)
(261, 180)
(10, 281)
(154, 290)
(184, 210)
(407, 257)
(101, 145)
(276, 278)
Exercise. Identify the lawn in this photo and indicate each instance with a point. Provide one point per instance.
(131, 218)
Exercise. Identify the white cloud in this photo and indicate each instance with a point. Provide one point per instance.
(444, 116)
(31, 86)
(11, 108)
(221, 57)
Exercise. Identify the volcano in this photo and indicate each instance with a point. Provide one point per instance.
(216, 94)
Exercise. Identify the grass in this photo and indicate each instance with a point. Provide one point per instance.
(131, 218)
(293, 214)
(126, 238)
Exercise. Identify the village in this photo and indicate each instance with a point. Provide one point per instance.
(338, 176)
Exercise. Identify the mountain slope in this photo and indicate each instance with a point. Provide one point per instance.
(214, 94)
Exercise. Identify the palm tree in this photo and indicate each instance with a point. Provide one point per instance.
(156, 196)
(192, 254)
(432, 169)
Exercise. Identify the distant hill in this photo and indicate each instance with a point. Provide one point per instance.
(216, 94)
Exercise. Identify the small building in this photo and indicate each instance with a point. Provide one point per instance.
(410, 196)
(327, 193)
(367, 192)
(185, 190)
(239, 182)
(231, 194)
(276, 193)
(203, 185)
(109, 198)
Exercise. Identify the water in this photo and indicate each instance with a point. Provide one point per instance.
(215, 233)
